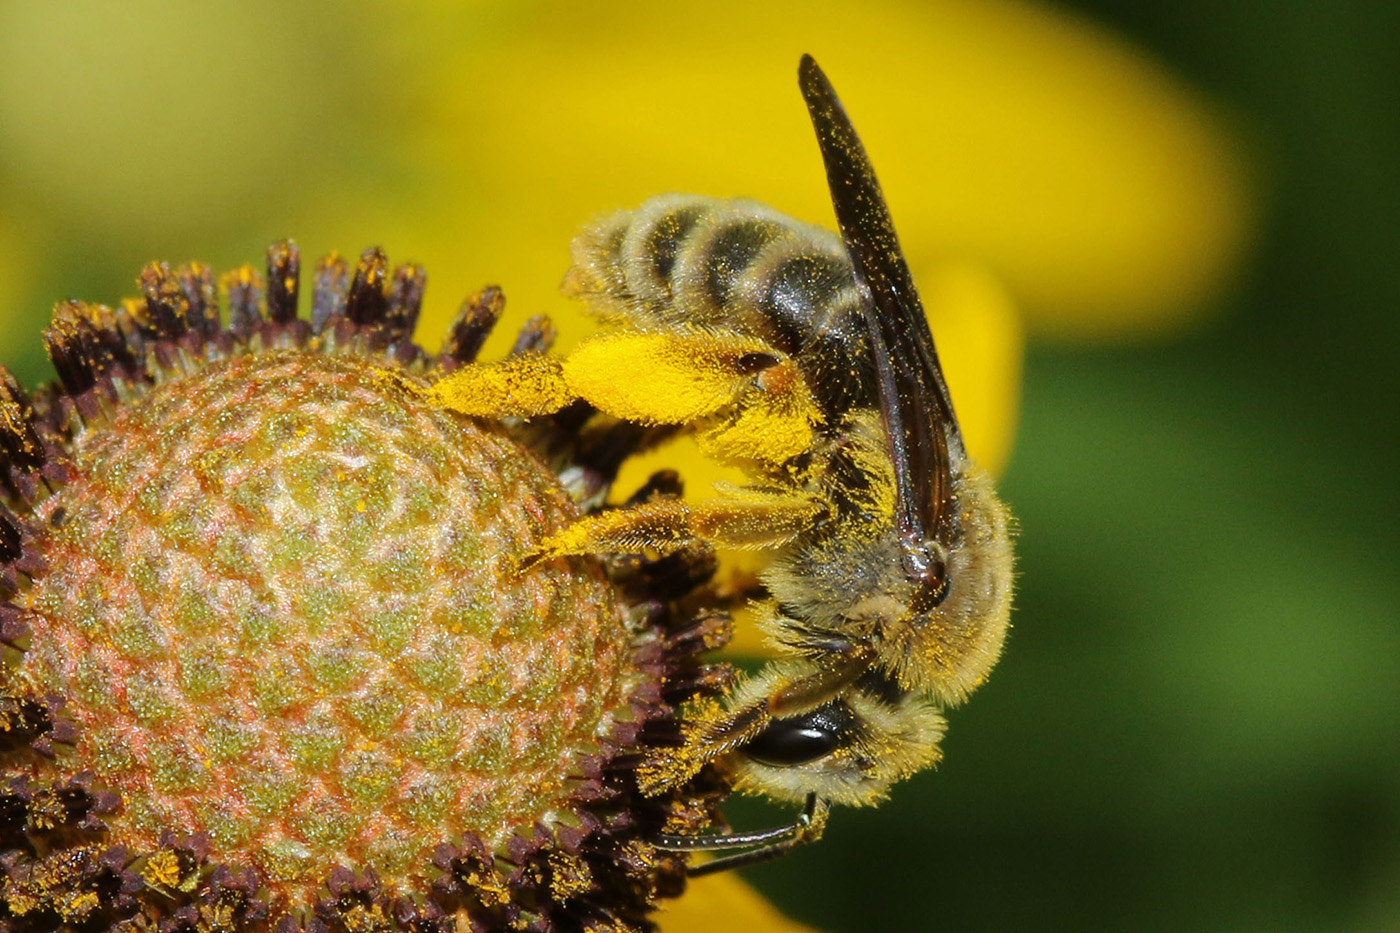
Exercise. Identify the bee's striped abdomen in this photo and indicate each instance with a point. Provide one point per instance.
(686, 261)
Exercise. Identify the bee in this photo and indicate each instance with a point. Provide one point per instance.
(804, 358)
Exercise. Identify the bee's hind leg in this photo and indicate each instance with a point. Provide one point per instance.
(762, 846)
(525, 385)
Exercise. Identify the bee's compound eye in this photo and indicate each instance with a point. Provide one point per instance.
(800, 739)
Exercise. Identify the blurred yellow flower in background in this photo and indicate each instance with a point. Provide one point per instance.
(1046, 177)
(477, 138)
(1097, 188)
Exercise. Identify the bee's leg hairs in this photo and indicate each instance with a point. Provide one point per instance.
(783, 689)
(746, 519)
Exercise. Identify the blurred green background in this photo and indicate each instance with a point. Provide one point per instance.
(1195, 725)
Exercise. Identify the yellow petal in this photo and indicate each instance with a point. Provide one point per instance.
(978, 332)
(1105, 194)
(724, 902)
(478, 137)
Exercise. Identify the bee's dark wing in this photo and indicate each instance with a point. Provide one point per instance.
(914, 403)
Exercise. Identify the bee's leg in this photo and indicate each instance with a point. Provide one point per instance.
(526, 385)
(667, 378)
(762, 846)
(747, 401)
(783, 689)
(774, 700)
(746, 519)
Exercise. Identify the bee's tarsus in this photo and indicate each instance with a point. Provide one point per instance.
(761, 846)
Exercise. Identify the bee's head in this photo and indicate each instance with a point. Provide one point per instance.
(849, 750)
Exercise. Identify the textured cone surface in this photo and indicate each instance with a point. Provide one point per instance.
(283, 610)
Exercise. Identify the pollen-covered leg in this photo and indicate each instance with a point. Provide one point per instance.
(667, 378)
(781, 691)
(762, 846)
(527, 385)
(748, 401)
(772, 421)
(746, 518)
(849, 750)
(840, 729)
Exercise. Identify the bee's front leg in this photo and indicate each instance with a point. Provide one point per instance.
(769, 716)
(760, 705)
(762, 846)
